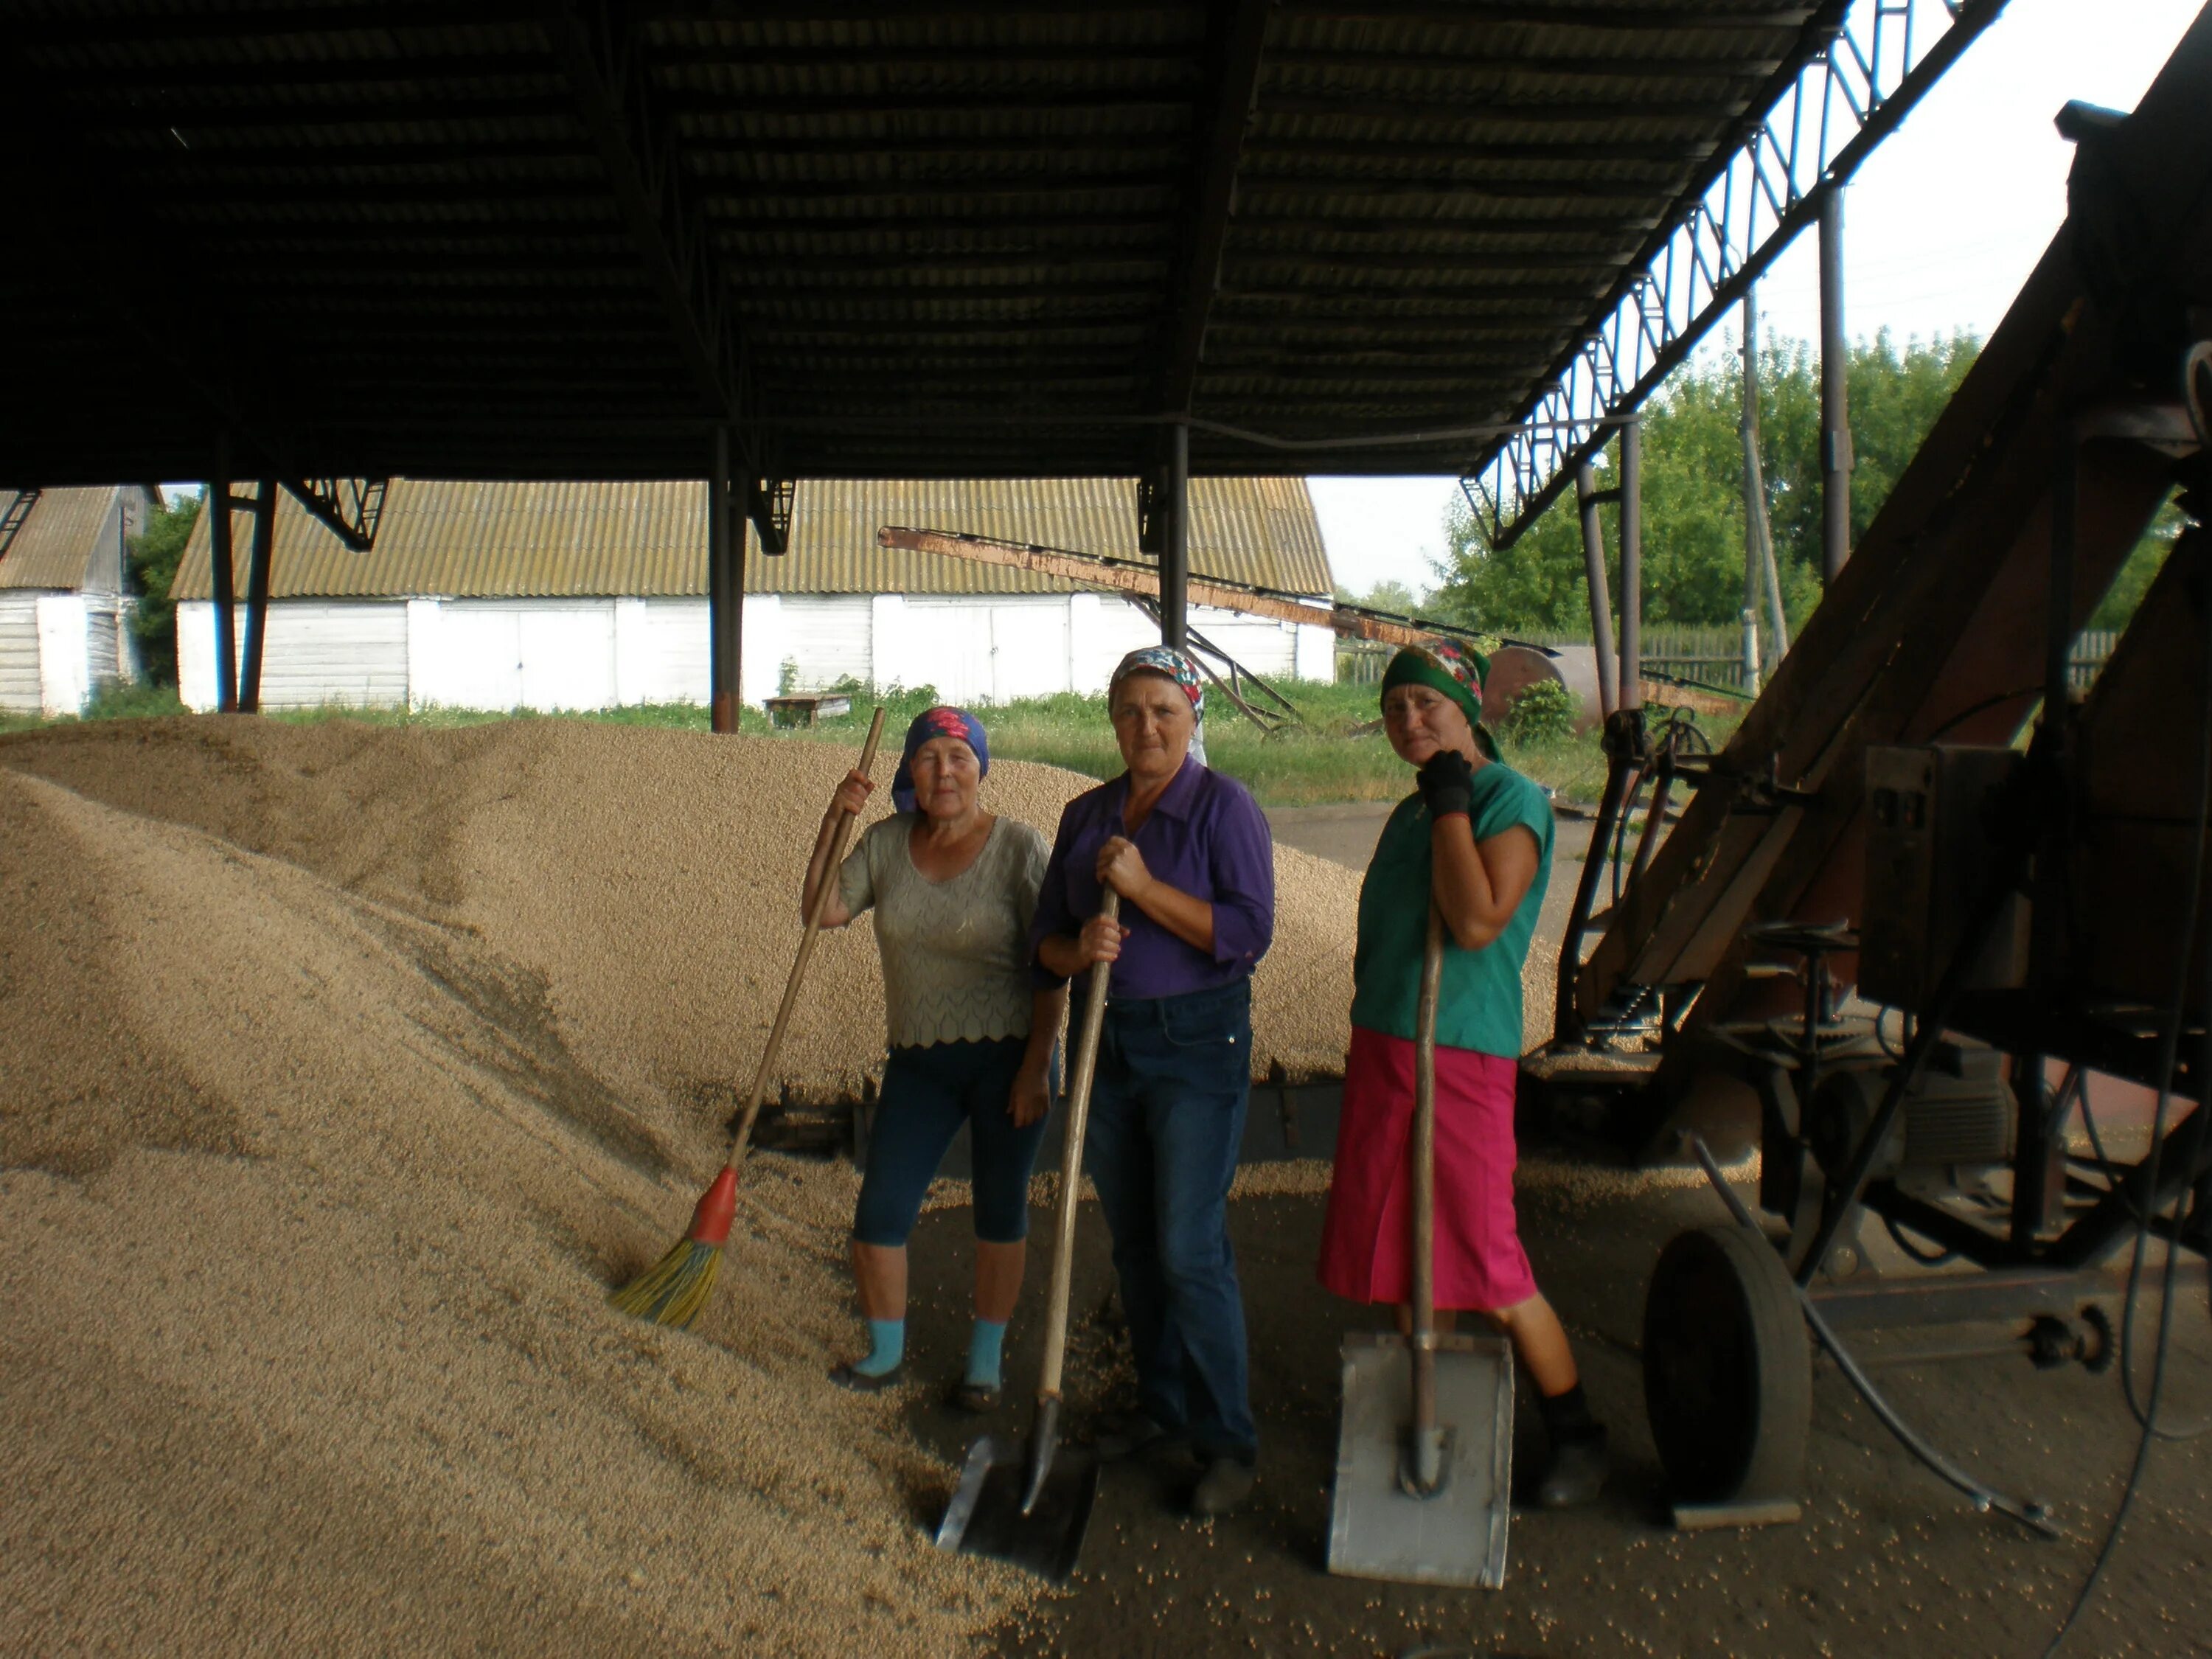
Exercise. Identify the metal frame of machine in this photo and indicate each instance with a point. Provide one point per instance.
(2036, 911)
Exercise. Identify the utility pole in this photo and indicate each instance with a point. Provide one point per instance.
(1754, 495)
(1835, 415)
(1756, 521)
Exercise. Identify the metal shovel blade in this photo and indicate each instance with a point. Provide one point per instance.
(985, 1518)
(1456, 1534)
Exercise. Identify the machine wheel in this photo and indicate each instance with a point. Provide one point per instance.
(1728, 1375)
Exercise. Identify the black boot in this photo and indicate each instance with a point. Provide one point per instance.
(1575, 1473)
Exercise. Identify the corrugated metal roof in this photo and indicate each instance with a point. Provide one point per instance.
(57, 543)
(952, 240)
(503, 539)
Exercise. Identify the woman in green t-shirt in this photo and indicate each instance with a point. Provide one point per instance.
(1477, 837)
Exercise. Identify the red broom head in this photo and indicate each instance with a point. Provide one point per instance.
(710, 1222)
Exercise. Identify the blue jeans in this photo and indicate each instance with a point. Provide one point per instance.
(928, 1093)
(1167, 1116)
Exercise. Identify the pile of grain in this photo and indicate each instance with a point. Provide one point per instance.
(345, 1068)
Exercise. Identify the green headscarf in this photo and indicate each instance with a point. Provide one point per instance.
(1452, 668)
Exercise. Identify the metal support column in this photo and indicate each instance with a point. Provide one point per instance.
(725, 596)
(1754, 498)
(217, 506)
(1175, 544)
(1835, 414)
(1601, 600)
(257, 596)
(1632, 565)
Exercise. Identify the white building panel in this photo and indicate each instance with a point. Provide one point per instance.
(108, 653)
(471, 660)
(64, 679)
(568, 654)
(1317, 654)
(761, 646)
(321, 650)
(1095, 651)
(826, 637)
(660, 650)
(19, 653)
(1029, 648)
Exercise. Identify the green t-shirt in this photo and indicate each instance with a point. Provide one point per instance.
(1479, 1005)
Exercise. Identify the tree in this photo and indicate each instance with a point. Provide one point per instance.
(1392, 596)
(156, 553)
(1693, 490)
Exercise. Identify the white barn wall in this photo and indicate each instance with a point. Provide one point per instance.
(554, 654)
(64, 669)
(19, 692)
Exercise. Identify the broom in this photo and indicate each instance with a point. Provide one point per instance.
(674, 1290)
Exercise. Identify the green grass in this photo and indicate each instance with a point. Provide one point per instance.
(1327, 760)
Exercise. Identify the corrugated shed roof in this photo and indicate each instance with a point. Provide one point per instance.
(955, 241)
(539, 540)
(54, 548)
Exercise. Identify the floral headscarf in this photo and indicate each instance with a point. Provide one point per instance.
(942, 721)
(1167, 660)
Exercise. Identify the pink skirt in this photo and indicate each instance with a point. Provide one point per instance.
(1366, 1238)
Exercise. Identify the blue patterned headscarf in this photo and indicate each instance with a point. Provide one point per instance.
(1167, 660)
(942, 721)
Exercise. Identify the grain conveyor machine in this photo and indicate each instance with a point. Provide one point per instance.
(1928, 890)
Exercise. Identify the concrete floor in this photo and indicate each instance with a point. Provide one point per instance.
(1887, 1560)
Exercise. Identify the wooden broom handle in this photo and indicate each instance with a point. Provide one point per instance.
(1071, 1163)
(839, 837)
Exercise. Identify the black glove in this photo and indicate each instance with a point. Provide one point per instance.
(1447, 783)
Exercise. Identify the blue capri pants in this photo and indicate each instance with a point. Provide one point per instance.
(929, 1092)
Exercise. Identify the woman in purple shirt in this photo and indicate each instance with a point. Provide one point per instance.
(1190, 852)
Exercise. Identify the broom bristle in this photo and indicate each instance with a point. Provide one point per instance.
(675, 1288)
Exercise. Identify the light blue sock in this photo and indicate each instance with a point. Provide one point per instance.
(886, 1347)
(984, 1342)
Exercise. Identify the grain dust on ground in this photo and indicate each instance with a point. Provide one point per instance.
(346, 1067)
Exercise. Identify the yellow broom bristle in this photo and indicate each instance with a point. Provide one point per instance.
(675, 1288)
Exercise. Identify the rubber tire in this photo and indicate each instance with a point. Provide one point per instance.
(1728, 1371)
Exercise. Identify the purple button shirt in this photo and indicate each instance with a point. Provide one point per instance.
(1206, 835)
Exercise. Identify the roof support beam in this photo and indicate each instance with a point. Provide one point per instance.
(1832, 108)
(1240, 31)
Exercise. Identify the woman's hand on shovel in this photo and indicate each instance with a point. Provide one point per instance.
(851, 794)
(1100, 941)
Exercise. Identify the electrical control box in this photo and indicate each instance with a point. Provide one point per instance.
(1933, 822)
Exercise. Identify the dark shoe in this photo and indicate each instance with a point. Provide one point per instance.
(1122, 1436)
(1226, 1483)
(861, 1382)
(976, 1397)
(1576, 1474)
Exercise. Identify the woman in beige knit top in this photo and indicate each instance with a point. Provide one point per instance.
(954, 888)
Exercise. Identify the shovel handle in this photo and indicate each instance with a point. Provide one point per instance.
(1071, 1165)
(839, 837)
(1424, 1150)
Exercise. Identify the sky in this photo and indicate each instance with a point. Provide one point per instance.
(1942, 226)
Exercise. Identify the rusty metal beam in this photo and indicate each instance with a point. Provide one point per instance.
(1141, 578)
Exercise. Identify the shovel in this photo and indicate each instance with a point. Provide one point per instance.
(1025, 1503)
(1425, 1451)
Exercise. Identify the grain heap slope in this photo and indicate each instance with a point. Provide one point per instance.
(648, 878)
(345, 1068)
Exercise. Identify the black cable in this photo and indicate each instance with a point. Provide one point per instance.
(2169, 1056)
(1935, 1258)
